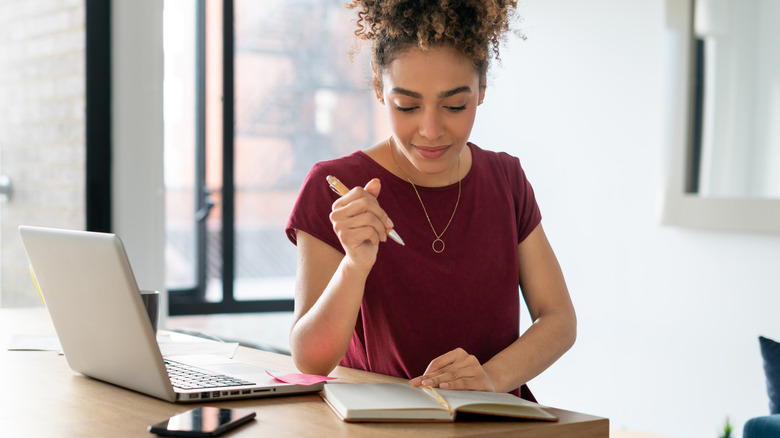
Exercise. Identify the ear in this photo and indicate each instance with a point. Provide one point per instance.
(482, 87)
(376, 81)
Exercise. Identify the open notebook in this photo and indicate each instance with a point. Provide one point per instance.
(402, 402)
(93, 300)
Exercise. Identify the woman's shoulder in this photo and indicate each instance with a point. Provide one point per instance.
(355, 159)
(338, 167)
(354, 169)
(493, 159)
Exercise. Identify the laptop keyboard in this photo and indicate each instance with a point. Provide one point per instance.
(189, 377)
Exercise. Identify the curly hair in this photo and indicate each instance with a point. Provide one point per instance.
(475, 28)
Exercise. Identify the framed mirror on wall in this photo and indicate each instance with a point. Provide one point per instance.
(723, 115)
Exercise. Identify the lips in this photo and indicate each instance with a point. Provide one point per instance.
(433, 152)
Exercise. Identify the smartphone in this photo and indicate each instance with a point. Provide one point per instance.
(205, 421)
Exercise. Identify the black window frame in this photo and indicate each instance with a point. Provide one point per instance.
(99, 158)
(98, 115)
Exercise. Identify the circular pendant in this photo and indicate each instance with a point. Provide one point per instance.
(438, 248)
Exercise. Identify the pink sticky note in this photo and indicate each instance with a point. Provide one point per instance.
(300, 379)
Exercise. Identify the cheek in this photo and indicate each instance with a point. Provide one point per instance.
(400, 124)
(462, 124)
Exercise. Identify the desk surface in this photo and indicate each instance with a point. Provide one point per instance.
(43, 397)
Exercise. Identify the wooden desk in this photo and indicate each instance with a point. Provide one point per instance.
(43, 397)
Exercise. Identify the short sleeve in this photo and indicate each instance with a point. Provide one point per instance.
(527, 211)
(312, 209)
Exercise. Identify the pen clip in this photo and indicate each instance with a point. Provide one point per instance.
(334, 189)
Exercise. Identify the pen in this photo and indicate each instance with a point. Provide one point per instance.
(338, 187)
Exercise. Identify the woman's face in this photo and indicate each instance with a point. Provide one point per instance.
(431, 98)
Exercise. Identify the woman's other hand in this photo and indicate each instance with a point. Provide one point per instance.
(456, 370)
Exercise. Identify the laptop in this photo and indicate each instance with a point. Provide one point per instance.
(95, 305)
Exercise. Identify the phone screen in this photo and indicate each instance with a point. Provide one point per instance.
(204, 421)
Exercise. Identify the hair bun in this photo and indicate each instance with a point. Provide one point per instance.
(474, 27)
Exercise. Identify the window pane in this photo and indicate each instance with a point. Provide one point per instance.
(299, 100)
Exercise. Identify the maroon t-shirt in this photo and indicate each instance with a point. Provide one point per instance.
(419, 304)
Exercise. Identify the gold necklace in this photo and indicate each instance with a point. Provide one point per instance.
(438, 244)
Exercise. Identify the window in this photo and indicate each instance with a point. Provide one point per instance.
(255, 94)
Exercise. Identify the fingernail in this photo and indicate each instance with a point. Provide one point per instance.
(444, 385)
(428, 382)
(389, 223)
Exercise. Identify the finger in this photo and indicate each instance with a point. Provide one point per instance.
(470, 378)
(437, 380)
(463, 366)
(357, 196)
(371, 190)
(468, 384)
(453, 372)
(439, 366)
(473, 378)
(373, 187)
(356, 203)
(446, 360)
(363, 225)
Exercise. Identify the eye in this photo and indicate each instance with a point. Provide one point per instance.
(405, 109)
(456, 109)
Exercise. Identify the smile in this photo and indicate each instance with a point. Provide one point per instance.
(432, 153)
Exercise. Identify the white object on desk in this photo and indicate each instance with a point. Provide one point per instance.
(168, 346)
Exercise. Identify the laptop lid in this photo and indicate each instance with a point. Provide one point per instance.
(93, 300)
(95, 305)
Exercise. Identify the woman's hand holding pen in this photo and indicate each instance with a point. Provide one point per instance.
(360, 223)
(456, 370)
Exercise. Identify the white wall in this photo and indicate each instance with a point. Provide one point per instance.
(668, 317)
(137, 129)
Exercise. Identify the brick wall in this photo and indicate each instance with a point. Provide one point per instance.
(42, 49)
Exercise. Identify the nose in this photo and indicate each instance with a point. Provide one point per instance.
(430, 125)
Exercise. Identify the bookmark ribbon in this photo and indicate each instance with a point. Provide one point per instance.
(442, 401)
(300, 379)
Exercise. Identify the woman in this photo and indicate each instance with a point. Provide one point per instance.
(443, 309)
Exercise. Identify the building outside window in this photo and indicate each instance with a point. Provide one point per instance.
(297, 99)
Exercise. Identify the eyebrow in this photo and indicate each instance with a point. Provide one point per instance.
(443, 94)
